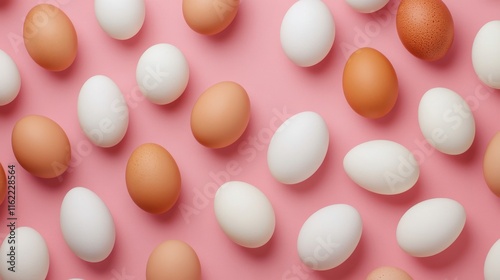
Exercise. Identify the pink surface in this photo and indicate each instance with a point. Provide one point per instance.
(249, 53)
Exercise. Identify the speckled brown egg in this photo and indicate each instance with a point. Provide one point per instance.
(425, 27)
(173, 260)
(491, 164)
(3, 184)
(209, 17)
(388, 273)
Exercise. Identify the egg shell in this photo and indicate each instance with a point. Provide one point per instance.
(491, 268)
(382, 166)
(329, 236)
(485, 58)
(10, 79)
(244, 214)
(425, 27)
(49, 155)
(120, 19)
(220, 115)
(209, 17)
(153, 178)
(162, 73)
(446, 121)
(31, 255)
(307, 32)
(491, 164)
(370, 83)
(173, 260)
(87, 225)
(298, 148)
(367, 6)
(102, 111)
(430, 227)
(3, 184)
(50, 37)
(388, 273)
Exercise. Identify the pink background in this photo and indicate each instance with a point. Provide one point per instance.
(249, 53)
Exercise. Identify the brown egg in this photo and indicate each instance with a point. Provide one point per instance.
(370, 83)
(173, 260)
(209, 17)
(153, 178)
(3, 184)
(491, 165)
(425, 27)
(388, 273)
(220, 115)
(50, 37)
(41, 146)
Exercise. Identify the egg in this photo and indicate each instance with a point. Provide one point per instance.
(329, 236)
(491, 164)
(430, 226)
(10, 79)
(388, 273)
(120, 19)
(24, 250)
(102, 111)
(209, 17)
(382, 166)
(87, 225)
(220, 115)
(370, 83)
(367, 6)
(153, 178)
(425, 27)
(244, 214)
(298, 148)
(485, 59)
(49, 155)
(491, 268)
(3, 184)
(162, 73)
(173, 260)
(307, 32)
(50, 37)
(446, 121)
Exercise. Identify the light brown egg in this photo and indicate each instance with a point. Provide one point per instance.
(388, 273)
(491, 165)
(220, 115)
(370, 83)
(209, 17)
(50, 37)
(425, 27)
(153, 178)
(3, 184)
(41, 146)
(173, 260)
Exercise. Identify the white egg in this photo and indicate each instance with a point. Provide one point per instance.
(430, 226)
(10, 79)
(446, 121)
(24, 255)
(367, 6)
(162, 73)
(491, 267)
(87, 225)
(244, 214)
(307, 32)
(485, 58)
(382, 166)
(120, 19)
(298, 147)
(102, 111)
(329, 236)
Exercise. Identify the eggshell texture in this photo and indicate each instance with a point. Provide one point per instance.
(220, 115)
(491, 267)
(87, 225)
(120, 19)
(298, 148)
(370, 83)
(10, 79)
(209, 17)
(491, 165)
(153, 178)
(50, 37)
(425, 27)
(382, 166)
(307, 32)
(446, 121)
(388, 273)
(102, 111)
(244, 213)
(329, 236)
(485, 58)
(31, 255)
(173, 260)
(430, 226)
(49, 155)
(3, 184)
(162, 73)
(367, 6)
